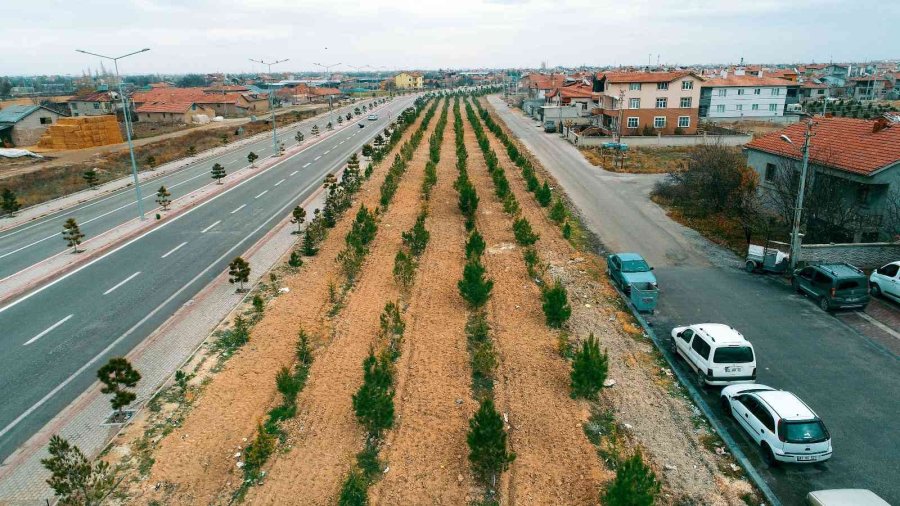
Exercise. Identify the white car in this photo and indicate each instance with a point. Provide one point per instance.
(373, 117)
(785, 428)
(845, 497)
(719, 354)
(886, 281)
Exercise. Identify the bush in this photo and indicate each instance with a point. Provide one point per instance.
(296, 260)
(523, 232)
(556, 305)
(374, 401)
(558, 211)
(354, 490)
(589, 368)
(474, 246)
(258, 452)
(287, 385)
(304, 353)
(474, 287)
(532, 260)
(635, 485)
(543, 195)
(487, 443)
(511, 205)
(416, 239)
(404, 269)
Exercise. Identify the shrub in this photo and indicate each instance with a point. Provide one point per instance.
(511, 205)
(404, 269)
(474, 246)
(364, 228)
(287, 385)
(416, 239)
(523, 232)
(635, 485)
(309, 244)
(477, 328)
(468, 199)
(558, 211)
(487, 443)
(543, 195)
(304, 353)
(259, 305)
(589, 368)
(257, 453)
(567, 230)
(354, 490)
(484, 359)
(556, 305)
(474, 287)
(374, 401)
(532, 260)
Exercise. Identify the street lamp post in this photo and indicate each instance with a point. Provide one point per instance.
(272, 102)
(127, 116)
(330, 98)
(798, 209)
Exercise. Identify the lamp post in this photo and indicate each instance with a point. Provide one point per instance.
(126, 114)
(798, 209)
(271, 101)
(330, 98)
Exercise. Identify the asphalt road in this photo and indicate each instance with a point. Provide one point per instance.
(29, 243)
(849, 378)
(55, 338)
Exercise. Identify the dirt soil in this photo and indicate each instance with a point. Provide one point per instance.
(640, 160)
(195, 464)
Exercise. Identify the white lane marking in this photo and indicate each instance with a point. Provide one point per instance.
(292, 173)
(173, 250)
(350, 137)
(878, 324)
(278, 183)
(236, 159)
(305, 165)
(129, 278)
(50, 329)
(261, 194)
(90, 363)
(317, 158)
(239, 208)
(205, 230)
(341, 142)
(325, 153)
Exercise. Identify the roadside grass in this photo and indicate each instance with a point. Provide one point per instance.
(659, 160)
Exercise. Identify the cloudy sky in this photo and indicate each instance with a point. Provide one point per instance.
(39, 36)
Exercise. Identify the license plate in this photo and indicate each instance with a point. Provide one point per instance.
(733, 369)
(806, 458)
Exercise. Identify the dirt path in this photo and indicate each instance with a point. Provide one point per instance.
(195, 463)
(427, 451)
(325, 435)
(555, 463)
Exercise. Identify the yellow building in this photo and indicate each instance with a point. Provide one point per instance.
(409, 80)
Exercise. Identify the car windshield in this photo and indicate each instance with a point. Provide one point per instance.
(811, 431)
(635, 266)
(733, 355)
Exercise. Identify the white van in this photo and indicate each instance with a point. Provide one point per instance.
(718, 353)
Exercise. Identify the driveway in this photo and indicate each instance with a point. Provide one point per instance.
(848, 374)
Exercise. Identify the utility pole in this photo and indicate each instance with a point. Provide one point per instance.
(271, 101)
(619, 153)
(126, 114)
(798, 209)
(328, 76)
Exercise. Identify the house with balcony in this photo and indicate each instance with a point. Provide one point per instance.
(740, 97)
(659, 102)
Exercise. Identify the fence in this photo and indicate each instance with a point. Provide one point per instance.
(657, 141)
(863, 255)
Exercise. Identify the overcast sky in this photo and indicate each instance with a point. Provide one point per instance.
(39, 36)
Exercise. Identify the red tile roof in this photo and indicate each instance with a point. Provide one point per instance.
(748, 81)
(842, 143)
(544, 81)
(643, 77)
(97, 96)
(174, 107)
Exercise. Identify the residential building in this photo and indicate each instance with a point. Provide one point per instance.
(738, 97)
(173, 112)
(227, 103)
(868, 87)
(661, 102)
(93, 104)
(859, 158)
(536, 86)
(409, 81)
(23, 125)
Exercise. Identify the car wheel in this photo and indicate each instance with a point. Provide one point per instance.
(823, 303)
(673, 348)
(875, 290)
(726, 406)
(768, 456)
(701, 379)
(750, 266)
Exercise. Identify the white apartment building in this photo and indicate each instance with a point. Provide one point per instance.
(733, 98)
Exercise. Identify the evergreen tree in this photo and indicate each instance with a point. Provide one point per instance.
(295, 260)
(74, 479)
(374, 401)
(239, 272)
(635, 484)
(9, 202)
(474, 246)
(349, 116)
(299, 137)
(558, 211)
(589, 368)
(523, 233)
(329, 126)
(252, 157)
(192, 150)
(72, 234)
(151, 161)
(309, 244)
(90, 177)
(543, 195)
(474, 287)
(340, 119)
(556, 305)
(118, 375)
(315, 130)
(162, 198)
(488, 452)
(218, 172)
(298, 216)
(367, 150)
(354, 490)
(416, 239)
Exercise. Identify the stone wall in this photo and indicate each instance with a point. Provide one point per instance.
(863, 255)
(664, 140)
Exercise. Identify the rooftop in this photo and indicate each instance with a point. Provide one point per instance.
(97, 96)
(786, 404)
(17, 112)
(643, 77)
(744, 81)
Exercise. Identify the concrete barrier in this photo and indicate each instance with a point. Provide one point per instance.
(869, 255)
(658, 141)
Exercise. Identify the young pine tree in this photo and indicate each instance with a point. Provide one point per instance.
(589, 368)
(315, 130)
(299, 137)
(8, 202)
(90, 177)
(75, 479)
(556, 305)
(309, 244)
(474, 287)
(523, 232)
(543, 195)
(117, 376)
(239, 272)
(218, 172)
(374, 401)
(251, 158)
(163, 198)
(72, 234)
(558, 211)
(488, 452)
(474, 246)
(635, 485)
(298, 216)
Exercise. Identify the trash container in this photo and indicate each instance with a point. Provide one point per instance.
(644, 296)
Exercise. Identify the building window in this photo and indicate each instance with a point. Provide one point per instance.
(720, 108)
(632, 122)
(772, 107)
(659, 122)
(862, 194)
(96, 105)
(662, 102)
(662, 86)
(684, 121)
(739, 107)
(741, 91)
(757, 91)
(755, 107)
(46, 120)
(722, 92)
(687, 85)
(770, 172)
(634, 103)
(74, 106)
(685, 102)
(634, 86)
(776, 91)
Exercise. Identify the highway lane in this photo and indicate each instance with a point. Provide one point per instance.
(846, 376)
(29, 243)
(56, 337)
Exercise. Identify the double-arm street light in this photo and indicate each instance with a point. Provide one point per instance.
(328, 77)
(798, 209)
(271, 100)
(126, 113)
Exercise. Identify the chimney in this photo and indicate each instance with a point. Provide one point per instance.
(724, 73)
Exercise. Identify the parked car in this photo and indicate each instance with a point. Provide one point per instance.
(834, 286)
(845, 497)
(373, 117)
(627, 268)
(550, 126)
(783, 426)
(719, 354)
(886, 281)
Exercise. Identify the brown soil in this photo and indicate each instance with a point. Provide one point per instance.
(196, 464)
(325, 435)
(426, 451)
(555, 463)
